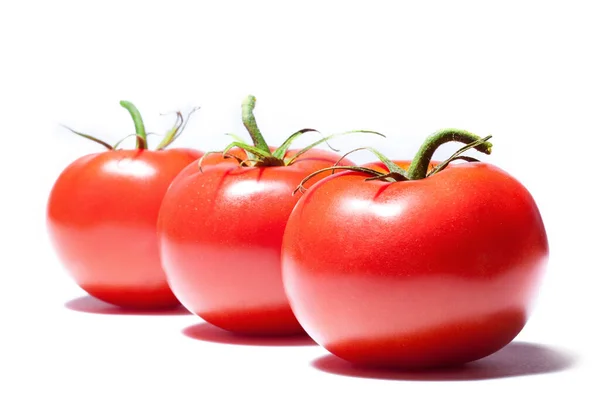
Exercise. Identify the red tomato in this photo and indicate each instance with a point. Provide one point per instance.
(412, 274)
(101, 217)
(220, 234)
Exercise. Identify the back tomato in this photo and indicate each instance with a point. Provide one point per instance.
(220, 233)
(101, 217)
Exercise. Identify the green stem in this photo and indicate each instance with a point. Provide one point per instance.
(90, 137)
(419, 165)
(250, 124)
(140, 131)
(172, 133)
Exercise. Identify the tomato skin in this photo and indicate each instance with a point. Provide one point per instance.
(220, 237)
(416, 274)
(101, 218)
(379, 166)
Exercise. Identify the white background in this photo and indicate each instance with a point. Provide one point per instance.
(526, 72)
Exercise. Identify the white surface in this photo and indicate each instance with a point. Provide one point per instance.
(526, 72)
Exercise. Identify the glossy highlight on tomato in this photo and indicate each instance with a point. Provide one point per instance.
(422, 273)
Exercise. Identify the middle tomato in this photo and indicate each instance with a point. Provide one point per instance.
(221, 227)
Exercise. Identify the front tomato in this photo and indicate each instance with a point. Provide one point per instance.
(420, 272)
(101, 218)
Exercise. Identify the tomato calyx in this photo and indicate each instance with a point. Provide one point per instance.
(259, 153)
(420, 167)
(140, 130)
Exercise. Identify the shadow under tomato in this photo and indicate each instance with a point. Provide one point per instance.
(516, 359)
(210, 333)
(91, 305)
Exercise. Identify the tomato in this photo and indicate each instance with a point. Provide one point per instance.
(416, 273)
(101, 218)
(220, 233)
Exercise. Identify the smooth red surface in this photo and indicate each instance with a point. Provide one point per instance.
(415, 274)
(220, 239)
(101, 218)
